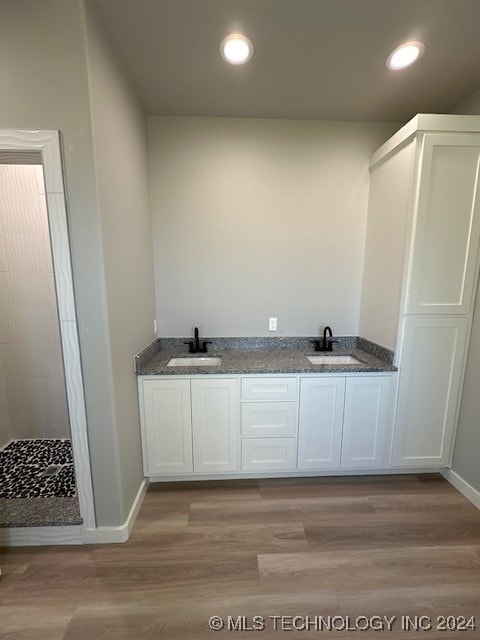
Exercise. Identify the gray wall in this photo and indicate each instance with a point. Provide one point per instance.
(121, 163)
(466, 459)
(257, 218)
(44, 85)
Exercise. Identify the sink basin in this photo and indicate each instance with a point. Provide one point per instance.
(333, 360)
(207, 361)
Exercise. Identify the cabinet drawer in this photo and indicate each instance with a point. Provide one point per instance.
(264, 419)
(268, 454)
(269, 388)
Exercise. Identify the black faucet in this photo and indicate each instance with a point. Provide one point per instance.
(194, 345)
(324, 344)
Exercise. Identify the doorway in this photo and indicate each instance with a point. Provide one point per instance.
(45, 477)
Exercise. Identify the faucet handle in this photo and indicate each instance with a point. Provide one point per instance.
(190, 346)
(329, 344)
(316, 343)
(204, 346)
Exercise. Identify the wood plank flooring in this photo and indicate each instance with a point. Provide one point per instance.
(347, 547)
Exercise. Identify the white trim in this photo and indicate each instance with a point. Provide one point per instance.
(294, 474)
(274, 374)
(48, 143)
(102, 535)
(421, 123)
(39, 536)
(463, 486)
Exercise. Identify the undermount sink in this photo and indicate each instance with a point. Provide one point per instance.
(333, 360)
(207, 361)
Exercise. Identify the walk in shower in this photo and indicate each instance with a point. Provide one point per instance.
(37, 480)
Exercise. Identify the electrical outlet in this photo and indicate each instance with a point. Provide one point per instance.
(272, 324)
(155, 326)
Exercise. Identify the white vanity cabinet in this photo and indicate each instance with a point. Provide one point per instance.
(189, 425)
(421, 269)
(344, 422)
(201, 426)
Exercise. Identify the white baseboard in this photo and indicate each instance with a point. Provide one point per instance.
(462, 485)
(39, 536)
(102, 535)
(259, 475)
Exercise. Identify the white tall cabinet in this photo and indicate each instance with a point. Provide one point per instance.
(418, 296)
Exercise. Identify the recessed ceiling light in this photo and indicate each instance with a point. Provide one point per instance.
(405, 55)
(236, 48)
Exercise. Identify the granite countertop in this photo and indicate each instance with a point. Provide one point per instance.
(243, 356)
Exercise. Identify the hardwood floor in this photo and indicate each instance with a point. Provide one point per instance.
(347, 547)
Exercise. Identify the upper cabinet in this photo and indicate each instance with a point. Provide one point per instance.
(446, 226)
(423, 225)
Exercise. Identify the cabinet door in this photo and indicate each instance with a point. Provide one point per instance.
(320, 424)
(215, 424)
(430, 377)
(365, 422)
(167, 428)
(447, 229)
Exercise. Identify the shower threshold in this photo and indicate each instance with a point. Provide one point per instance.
(39, 512)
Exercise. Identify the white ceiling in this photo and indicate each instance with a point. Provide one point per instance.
(314, 59)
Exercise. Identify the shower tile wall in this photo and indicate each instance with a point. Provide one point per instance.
(33, 400)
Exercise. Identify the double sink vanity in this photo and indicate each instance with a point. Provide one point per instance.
(264, 406)
(274, 406)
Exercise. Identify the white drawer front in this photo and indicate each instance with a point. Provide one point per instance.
(269, 388)
(264, 419)
(267, 454)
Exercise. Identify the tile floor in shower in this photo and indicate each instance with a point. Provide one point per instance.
(37, 483)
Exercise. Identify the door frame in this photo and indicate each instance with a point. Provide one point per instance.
(48, 144)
